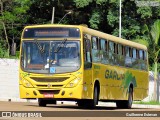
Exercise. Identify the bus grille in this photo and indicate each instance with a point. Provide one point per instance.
(50, 86)
(49, 91)
(57, 79)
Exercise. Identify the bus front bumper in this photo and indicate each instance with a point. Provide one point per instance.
(63, 93)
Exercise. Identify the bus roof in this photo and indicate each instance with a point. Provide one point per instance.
(96, 33)
(51, 25)
(114, 38)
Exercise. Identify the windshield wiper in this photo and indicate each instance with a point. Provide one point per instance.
(60, 45)
(41, 50)
(39, 46)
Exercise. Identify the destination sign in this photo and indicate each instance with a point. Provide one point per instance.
(49, 32)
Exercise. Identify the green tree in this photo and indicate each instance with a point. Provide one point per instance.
(153, 44)
(155, 33)
(12, 12)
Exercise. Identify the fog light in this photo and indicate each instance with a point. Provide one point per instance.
(63, 92)
(34, 92)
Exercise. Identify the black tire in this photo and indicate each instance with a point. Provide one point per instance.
(94, 102)
(81, 103)
(42, 103)
(130, 99)
(127, 104)
(51, 101)
(90, 103)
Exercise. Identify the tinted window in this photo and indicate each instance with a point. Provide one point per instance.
(141, 54)
(95, 50)
(127, 51)
(103, 44)
(111, 46)
(119, 49)
(134, 53)
(95, 43)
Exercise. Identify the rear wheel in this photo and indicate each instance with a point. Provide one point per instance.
(130, 99)
(126, 103)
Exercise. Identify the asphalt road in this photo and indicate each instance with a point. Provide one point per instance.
(69, 111)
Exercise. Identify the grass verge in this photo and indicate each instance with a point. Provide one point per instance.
(147, 103)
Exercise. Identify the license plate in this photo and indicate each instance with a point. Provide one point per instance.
(48, 95)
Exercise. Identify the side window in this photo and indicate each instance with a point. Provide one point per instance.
(135, 59)
(87, 53)
(128, 60)
(103, 44)
(103, 51)
(111, 47)
(120, 56)
(111, 52)
(140, 54)
(95, 49)
(95, 43)
(120, 49)
(134, 53)
(127, 51)
(143, 61)
(140, 59)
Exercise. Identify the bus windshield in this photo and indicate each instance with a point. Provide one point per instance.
(50, 56)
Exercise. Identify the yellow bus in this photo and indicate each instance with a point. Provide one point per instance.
(76, 63)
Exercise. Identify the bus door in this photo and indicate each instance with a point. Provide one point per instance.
(87, 75)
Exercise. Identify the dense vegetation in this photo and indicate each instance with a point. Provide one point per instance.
(102, 15)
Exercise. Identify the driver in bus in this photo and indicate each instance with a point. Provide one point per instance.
(73, 53)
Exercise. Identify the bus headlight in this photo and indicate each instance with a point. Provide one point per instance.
(26, 83)
(73, 83)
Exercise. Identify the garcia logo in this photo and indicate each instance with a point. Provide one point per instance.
(127, 78)
(112, 74)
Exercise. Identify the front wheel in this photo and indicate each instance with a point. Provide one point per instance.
(82, 103)
(90, 103)
(94, 102)
(42, 103)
